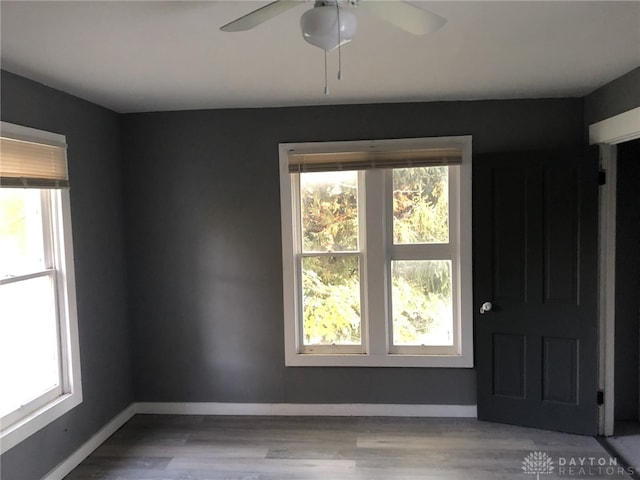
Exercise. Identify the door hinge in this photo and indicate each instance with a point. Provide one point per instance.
(602, 177)
(600, 397)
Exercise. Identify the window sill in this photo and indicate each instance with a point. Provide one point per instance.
(15, 433)
(389, 360)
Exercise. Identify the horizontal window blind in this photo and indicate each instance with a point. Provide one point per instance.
(32, 165)
(363, 160)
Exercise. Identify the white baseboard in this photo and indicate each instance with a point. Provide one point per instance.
(90, 445)
(303, 409)
(276, 409)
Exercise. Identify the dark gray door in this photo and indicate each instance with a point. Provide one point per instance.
(535, 259)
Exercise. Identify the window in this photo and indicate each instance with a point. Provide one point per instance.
(39, 356)
(377, 252)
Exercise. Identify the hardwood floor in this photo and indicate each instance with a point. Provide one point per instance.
(173, 447)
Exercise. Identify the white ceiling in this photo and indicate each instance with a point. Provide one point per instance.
(170, 55)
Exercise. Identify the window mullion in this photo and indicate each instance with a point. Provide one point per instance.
(46, 218)
(434, 251)
(55, 253)
(455, 240)
(375, 253)
(27, 276)
(297, 248)
(364, 267)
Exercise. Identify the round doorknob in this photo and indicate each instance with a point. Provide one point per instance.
(485, 307)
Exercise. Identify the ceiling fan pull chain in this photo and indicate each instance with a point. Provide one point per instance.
(339, 44)
(326, 83)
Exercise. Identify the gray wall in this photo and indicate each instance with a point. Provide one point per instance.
(615, 97)
(203, 253)
(627, 300)
(204, 246)
(97, 215)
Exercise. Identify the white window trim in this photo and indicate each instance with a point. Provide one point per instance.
(374, 334)
(71, 395)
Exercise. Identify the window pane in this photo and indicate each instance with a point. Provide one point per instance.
(29, 361)
(421, 205)
(331, 300)
(21, 236)
(329, 211)
(421, 302)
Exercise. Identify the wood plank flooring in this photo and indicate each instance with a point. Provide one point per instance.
(174, 447)
(626, 442)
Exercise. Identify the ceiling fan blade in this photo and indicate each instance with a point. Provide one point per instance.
(406, 16)
(261, 15)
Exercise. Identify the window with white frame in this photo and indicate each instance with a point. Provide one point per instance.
(377, 252)
(39, 354)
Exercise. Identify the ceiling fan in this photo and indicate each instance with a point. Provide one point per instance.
(328, 25)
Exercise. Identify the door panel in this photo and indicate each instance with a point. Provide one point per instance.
(535, 244)
(561, 241)
(508, 246)
(560, 370)
(510, 365)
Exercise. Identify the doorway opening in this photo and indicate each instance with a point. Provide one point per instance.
(626, 408)
(619, 326)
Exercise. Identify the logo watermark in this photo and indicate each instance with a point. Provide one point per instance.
(537, 463)
(541, 463)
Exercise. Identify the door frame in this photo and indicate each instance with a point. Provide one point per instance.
(608, 133)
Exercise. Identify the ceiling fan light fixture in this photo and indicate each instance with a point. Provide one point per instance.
(327, 25)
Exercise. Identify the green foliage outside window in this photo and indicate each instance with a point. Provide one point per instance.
(420, 205)
(331, 299)
(421, 291)
(329, 211)
(421, 302)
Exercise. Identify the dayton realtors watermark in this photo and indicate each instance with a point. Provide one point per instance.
(541, 463)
